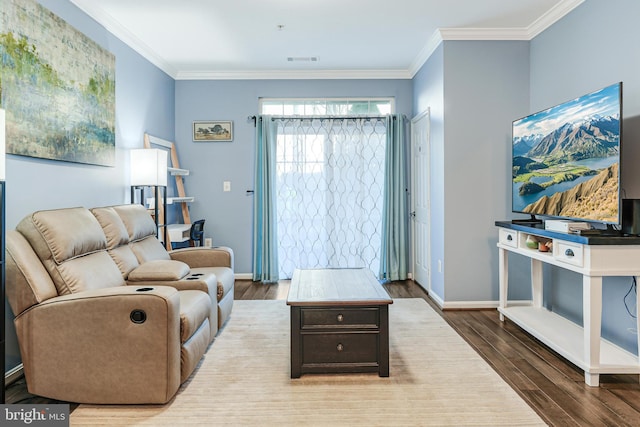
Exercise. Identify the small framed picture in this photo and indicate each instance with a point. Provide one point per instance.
(213, 131)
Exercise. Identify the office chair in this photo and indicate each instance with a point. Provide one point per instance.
(196, 236)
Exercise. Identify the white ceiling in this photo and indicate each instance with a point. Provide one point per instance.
(227, 39)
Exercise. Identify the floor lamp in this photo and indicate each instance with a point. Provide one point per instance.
(148, 168)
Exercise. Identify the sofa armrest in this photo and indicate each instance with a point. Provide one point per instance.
(91, 347)
(219, 256)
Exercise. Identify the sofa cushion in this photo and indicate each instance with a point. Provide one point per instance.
(93, 271)
(149, 249)
(113, 227)
(159, 270)
(72, 247)
(195, 308)
(117, 239)
(137, 221)
(191, 352)
(63, 234)
(125, 259)
(28, 283)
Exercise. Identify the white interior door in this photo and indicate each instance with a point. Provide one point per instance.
(420, 201)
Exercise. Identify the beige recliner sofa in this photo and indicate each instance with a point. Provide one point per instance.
(103, 313)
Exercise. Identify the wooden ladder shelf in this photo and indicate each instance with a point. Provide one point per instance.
(178, 173)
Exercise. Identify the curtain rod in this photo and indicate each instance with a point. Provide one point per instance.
(253, 118)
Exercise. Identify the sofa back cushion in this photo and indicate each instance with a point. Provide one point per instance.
(72, 247)
(117, 239)
(28, 282)
(142, 233)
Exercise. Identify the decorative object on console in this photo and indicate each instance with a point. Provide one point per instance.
(532, 242)
(544, 245)
(148, 168)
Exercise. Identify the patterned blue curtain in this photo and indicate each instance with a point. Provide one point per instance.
(395, 216)
(265, 249)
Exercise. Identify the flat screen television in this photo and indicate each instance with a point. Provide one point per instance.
(566, 159)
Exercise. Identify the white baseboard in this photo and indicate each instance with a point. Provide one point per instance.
(243, 276)
(471, 305)
(439, 302)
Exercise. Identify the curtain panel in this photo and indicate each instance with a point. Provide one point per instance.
(395, 217)
(265, 241)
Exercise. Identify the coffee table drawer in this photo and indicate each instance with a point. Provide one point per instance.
(339, 348)
(340, 317)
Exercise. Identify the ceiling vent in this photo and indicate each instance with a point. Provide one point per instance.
(302, 59)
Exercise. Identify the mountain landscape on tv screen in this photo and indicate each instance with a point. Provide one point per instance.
(572, 171)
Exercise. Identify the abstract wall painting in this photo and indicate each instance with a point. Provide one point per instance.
(57, 87)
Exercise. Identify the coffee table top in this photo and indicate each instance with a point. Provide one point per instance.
(332, 287)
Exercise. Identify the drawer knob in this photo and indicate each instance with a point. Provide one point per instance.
(340, 317)
(340, 347)
(509, 237)
(569, 252)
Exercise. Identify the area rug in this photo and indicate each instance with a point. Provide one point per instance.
(436, 378)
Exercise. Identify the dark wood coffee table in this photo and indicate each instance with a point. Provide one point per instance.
(339, 322)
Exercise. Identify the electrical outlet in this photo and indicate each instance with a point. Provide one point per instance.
(226, 186)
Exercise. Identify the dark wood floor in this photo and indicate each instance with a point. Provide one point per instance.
(554, 388)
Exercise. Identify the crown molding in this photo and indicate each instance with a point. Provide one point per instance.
(292, 75)
(114, 27)
(484, 34)
(554, 14)
(426, 52)
(526, 33)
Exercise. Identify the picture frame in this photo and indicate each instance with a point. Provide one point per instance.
(57, 107)
(213, 131)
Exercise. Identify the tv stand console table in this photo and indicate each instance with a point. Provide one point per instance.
(594, 257)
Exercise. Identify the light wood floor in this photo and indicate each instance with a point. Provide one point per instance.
(554, 388)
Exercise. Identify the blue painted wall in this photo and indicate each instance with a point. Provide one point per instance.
(145, 101)
(228, 215)
(428, 94)
(475, 89)
(592, 47)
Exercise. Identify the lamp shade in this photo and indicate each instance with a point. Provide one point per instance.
(2, 145)
(148, 167)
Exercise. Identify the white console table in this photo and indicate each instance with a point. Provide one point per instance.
(594, 257)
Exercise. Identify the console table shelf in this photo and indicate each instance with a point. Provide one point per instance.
(567, 339)
(593, 258)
